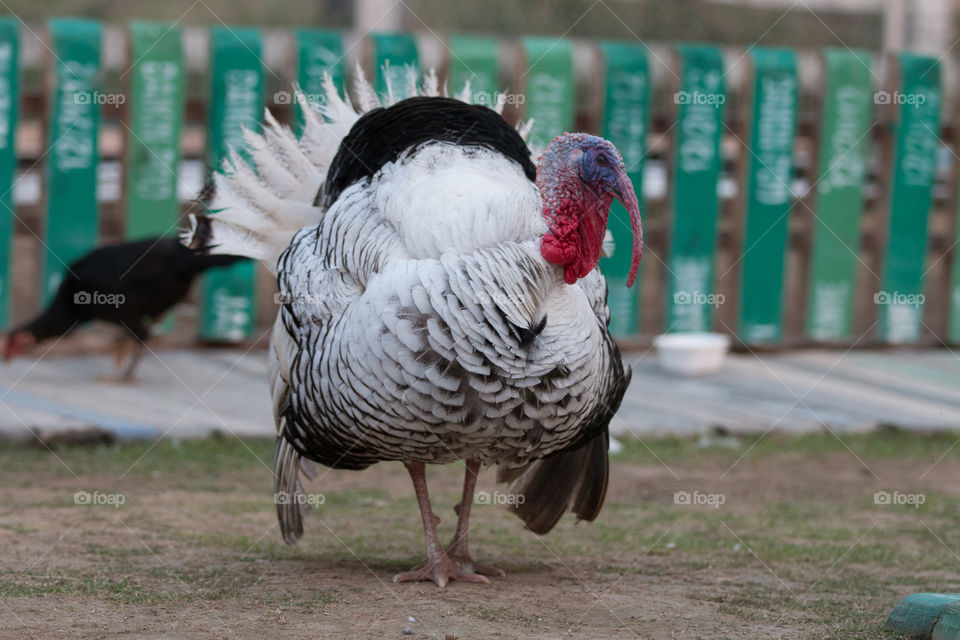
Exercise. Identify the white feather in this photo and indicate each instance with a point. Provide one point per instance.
(259, 204)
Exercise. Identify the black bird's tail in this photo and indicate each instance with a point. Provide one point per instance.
(575, 479)
(197, 261)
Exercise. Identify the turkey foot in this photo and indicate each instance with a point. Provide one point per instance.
(439, 568)
(458, 550)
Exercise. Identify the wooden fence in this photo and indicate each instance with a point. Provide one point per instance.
(789, 197)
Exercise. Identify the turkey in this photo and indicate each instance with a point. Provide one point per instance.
(440, 301)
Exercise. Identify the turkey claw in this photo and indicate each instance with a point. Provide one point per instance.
(440, 572)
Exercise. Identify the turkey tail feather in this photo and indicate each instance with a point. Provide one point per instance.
(288, 489)
(575, 479)
(258, 200)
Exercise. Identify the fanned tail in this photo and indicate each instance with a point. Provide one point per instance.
(257, 203)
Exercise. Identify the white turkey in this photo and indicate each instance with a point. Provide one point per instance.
(441, 301)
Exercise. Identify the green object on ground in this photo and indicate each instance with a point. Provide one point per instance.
(72, 147)
(918, 614)
(900, 301)
(844, 142)
(625, 116)
(696, 204)
(549, 88)
(948, 626)
(236, 102)
(769, 195)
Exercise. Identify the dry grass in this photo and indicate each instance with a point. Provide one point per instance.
(797, 550)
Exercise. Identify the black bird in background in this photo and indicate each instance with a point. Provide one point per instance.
(132, 285)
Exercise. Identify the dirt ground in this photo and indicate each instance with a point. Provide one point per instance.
(179, 540)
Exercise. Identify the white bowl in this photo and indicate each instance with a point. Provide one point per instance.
(691, 354)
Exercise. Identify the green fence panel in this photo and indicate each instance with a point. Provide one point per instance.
(319, 52)
(900, 300)
(475, 60)
(953, 328)
(9, 103)
(626, 113)
(769, 196)
(394, 56)
(845, 122)
(72, 150)
(549, 94)
(696, 204)
(236, 101)
(153, 140)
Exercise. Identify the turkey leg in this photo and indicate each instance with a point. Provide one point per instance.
(439, 568)
(458, 550)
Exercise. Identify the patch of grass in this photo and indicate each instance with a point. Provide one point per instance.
(826, 562)
(212, 456)
(32, 584)
(885, 443)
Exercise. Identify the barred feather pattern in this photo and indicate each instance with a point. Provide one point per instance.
(409, 346)
(419, 320)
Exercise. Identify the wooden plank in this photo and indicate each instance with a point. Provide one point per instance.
(156, 111)
(72, 212)
(475, 60)
(396, 63)
(319, 52)
(769, 196)
(626, 112)
(846, 121)
(9, 110)
(900, 301)
(696, 205)
(236, 102)
(549, 88)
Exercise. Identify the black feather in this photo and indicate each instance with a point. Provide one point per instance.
(381, 135)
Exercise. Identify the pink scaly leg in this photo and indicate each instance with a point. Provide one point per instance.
(458, 551)
(438, 568)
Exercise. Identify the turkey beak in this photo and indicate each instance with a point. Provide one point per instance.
(623, 191)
